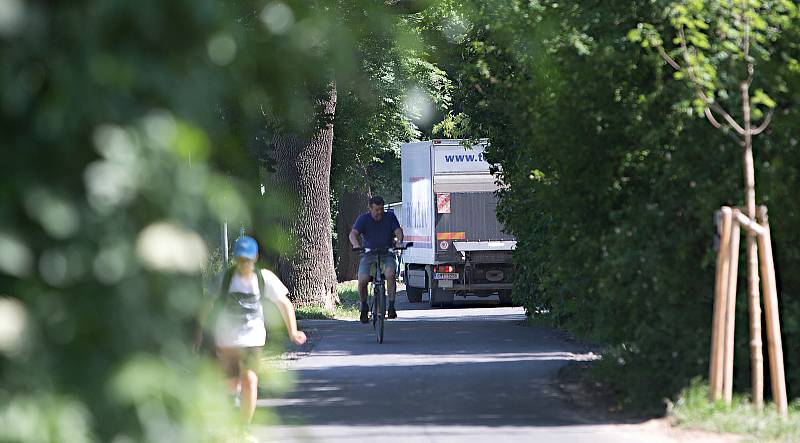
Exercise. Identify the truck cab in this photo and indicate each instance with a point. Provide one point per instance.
(449, 212)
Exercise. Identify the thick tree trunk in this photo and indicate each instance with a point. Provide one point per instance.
(303, 168)
(351, 205)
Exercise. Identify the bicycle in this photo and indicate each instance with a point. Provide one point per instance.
(378, 305)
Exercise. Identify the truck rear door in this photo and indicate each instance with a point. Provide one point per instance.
(466, 203)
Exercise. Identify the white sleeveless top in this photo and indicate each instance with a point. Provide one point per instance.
(232, 331)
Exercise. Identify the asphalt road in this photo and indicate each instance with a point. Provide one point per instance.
(441, 375)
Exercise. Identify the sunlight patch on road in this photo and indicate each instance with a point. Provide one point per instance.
(327, 360)
(463, 314)
(631, 433)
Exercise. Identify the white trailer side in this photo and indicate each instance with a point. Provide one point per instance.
(417, 178)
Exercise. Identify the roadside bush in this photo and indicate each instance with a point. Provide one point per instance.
(613, 182)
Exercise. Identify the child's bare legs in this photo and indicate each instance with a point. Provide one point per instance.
(249, 383)
(241, 378)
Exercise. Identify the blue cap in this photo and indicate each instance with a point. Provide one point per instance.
(246, 247)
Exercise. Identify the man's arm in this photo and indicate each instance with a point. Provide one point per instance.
(398, 230)
(355, 238)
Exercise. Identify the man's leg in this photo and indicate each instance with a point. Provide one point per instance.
(390, 267)
(391, 285)
(363, 281)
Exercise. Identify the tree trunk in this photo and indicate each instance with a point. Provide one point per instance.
(351, 205)
(303, 168)
(754, 303)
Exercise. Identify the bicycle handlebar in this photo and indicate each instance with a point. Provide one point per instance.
(368, 250)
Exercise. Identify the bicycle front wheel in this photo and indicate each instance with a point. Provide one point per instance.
(373, 309)
(380, 330)
(380, 302)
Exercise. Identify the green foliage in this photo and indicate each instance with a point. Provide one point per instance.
(693, 410)
(348, 293)
(396, 89)
(377, 109)
(714, 42)
(347, 308)
(613, 181)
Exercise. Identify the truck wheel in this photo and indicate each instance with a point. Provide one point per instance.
(414, 294)
(505, 298)
(440, 297)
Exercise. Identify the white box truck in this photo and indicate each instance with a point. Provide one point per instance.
(449, 212)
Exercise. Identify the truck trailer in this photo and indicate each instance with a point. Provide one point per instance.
(449, 212)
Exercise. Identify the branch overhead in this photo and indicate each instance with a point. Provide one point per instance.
(710, 103)
(764, 125)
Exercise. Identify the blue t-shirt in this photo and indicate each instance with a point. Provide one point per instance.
(377, 234)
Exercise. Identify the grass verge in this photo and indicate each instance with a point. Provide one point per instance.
(347, 309)
(693, 410)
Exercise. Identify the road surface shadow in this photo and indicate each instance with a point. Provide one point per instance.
(440, 336)
(507, 393)
(487, 369)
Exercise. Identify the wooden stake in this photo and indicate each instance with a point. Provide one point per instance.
(748, 224)
(774, 342)
(730, 312)
(716, 366)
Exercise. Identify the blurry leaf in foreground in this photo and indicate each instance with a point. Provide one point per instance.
(44, 418)
(13, 320)
(167, 247)
(15, 257)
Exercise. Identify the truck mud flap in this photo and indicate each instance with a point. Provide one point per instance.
(441, 297)
(417, 278)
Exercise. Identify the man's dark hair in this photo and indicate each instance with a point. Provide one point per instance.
(377, 200)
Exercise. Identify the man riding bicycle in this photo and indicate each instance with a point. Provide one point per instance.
(378, 229)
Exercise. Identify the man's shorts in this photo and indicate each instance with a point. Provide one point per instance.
(368, 261)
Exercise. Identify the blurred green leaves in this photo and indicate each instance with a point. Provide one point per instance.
(129, 130)
(164, 402)
(45, 418)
